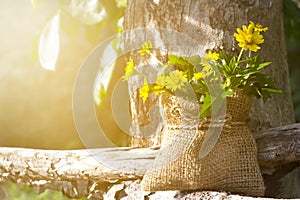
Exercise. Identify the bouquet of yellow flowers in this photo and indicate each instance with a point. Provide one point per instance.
(207, 152)
(211, 78)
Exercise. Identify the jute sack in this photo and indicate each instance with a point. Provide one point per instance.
(230, 166)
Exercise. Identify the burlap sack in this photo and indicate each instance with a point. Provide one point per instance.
(230, 166)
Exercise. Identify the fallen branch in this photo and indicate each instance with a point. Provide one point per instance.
(91, 172)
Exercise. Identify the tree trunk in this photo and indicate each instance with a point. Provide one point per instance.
(211, 24)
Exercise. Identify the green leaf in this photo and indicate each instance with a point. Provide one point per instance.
(248, 74)
(272, 90)
(235, 82)
(206, 108)
(225, 57)
(194, 60)
(229, 92)
(263, 65)
(199, 87)
(263, 94)
(186, 64)
(232, 66)
(181, 62)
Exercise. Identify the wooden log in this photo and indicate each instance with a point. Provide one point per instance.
(76, 173)
(277, 147)
(91, 172)
(133, 192)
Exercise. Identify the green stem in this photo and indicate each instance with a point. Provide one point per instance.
(249, 53)
(238, 60)
(240, 55)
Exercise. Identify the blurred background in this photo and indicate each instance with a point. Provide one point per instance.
(292, 33)
(36, 84)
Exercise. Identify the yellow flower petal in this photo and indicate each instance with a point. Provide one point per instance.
(144, 91)
(175, 80)
(197, 76)
(129, 69)
(248, 38)
(146, 48)
(213, 55)
(258, 27)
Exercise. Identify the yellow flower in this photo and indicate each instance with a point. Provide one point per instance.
(207, 68)
(212, 55)
(161, 80)
(197, 76)
(175, 80)
(144, 91)
(248, 39)
(129, 69)
(258, 27)
(146, 48)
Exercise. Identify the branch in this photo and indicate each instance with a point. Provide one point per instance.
(91, 172)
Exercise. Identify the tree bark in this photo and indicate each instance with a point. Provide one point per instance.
(91, 172)
(212, 24)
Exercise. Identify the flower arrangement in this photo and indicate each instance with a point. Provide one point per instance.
(214, 76)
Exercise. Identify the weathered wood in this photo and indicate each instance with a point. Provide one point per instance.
(89, 172)
(76, 172)
(132, 191)
(277, 147)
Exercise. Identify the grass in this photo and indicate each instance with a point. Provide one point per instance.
(12, 191)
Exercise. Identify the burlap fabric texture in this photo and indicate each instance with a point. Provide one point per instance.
(230, 166)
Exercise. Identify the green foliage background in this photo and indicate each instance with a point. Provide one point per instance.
(292, 33)
(21, 192)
